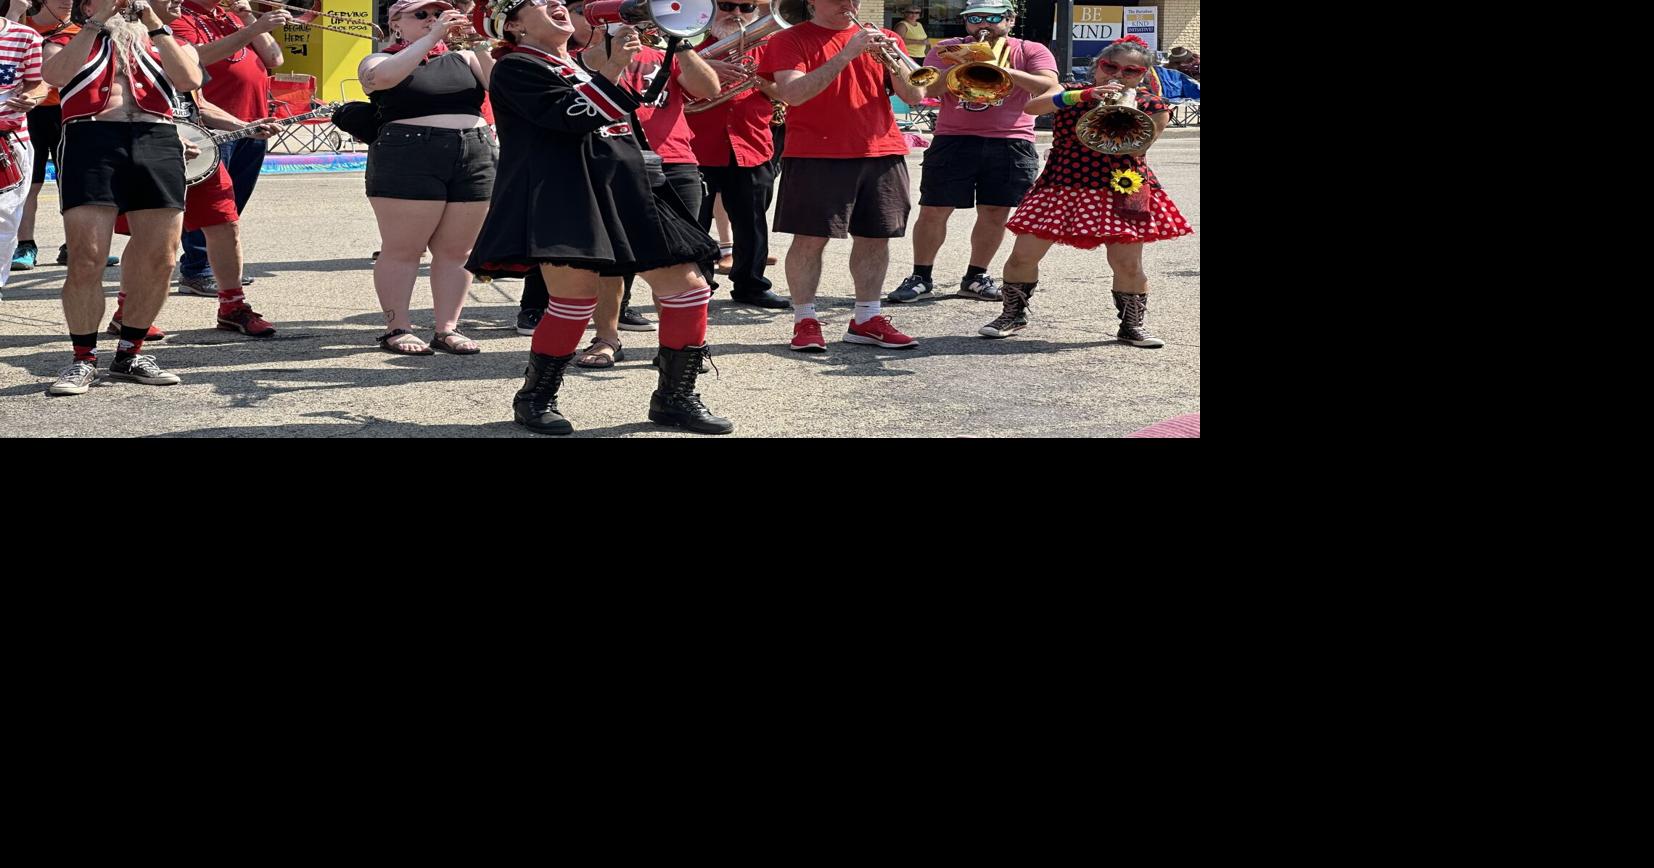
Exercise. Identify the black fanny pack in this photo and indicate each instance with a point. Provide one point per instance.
(360, 119)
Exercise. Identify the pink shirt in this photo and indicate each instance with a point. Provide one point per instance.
(1005, 121)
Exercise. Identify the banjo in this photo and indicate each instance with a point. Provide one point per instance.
(202, 166)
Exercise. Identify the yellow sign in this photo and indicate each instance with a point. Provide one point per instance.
(1099, 14)
(1098, 23)
(329, 56)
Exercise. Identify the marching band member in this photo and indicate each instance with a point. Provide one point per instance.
(1086, 199)
(576, 201)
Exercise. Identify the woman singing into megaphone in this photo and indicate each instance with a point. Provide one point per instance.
(574, 199)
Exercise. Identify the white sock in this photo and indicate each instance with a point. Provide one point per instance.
(802, 312)
(866, 310)
(726, 250)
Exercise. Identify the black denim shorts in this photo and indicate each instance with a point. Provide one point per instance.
(412, 162)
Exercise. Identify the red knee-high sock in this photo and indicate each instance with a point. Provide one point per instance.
(559, 330)
(683, 318)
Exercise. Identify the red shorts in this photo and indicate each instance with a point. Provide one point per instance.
(208, 203)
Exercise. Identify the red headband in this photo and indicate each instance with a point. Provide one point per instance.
(1130, 40)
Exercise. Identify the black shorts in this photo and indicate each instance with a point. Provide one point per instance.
(961, 171)
(865, 195)
(132, 166)
(45, 132)
(433, 164)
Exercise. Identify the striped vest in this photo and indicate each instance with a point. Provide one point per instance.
(88, 92)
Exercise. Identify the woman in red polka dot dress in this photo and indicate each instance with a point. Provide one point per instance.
(1085, 199)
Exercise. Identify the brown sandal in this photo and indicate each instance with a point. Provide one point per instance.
(593, 356)
(446, 341)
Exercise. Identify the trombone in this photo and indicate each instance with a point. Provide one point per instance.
(376, 33)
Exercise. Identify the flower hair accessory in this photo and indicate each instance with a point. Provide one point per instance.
(1130, 40)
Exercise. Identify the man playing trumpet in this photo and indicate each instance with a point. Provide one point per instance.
(983, 154)
(844, 167)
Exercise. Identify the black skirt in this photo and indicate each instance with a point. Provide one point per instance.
(572, 189)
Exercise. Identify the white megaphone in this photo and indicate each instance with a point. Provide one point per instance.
(685, 19)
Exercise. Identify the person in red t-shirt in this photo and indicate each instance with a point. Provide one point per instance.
(239, 53)
(733, 144)
(844, 165)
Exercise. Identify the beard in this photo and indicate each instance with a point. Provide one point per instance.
(130, 39)
(722, 28)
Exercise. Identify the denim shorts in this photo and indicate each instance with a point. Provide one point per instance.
(412, 162)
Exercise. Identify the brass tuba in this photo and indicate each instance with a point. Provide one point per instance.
(734, 47)
(1114, 128)
(981, 80)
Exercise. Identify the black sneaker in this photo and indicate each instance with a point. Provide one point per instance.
(141, 369)
(1014, 317)
(529, 320)
(75, 379)
(981, 286)
(911, 288)
(632, 322)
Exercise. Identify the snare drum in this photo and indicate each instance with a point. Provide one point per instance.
(12, 173)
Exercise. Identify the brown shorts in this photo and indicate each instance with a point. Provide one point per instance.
(864, 196)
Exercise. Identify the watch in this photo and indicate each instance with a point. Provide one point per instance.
(163, 30)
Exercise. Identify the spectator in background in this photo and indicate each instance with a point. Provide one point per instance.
(1185, 61)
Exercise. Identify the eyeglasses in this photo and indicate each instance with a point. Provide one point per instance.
(1116, 69)
(984, 19)
(731, 7)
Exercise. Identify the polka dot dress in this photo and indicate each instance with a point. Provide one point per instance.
(1072, 202)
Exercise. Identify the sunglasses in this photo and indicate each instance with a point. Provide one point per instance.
(984, 19)
(731, 7)
(1116, 69)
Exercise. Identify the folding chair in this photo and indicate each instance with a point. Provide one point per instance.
(295, 94)
(912, 118)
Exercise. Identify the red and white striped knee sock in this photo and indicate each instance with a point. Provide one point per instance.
(559, 330)
(683, 318)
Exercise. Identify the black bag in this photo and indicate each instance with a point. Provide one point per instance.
(360, 119)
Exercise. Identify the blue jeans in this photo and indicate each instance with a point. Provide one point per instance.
(243, 158)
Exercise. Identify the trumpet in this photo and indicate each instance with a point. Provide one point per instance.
(981, 80)
(897, 61)
(734, 49)
(1114, 128)
(376, 33)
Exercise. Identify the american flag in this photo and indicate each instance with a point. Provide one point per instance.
(8, 74)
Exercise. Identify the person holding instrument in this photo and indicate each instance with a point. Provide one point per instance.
(983, 154)
(120, 77)
(577, 201)
(844, 164)
(1088, 197)
(238, 51)
(430, 171)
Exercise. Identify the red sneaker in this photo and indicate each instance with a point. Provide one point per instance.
(879, 332)
(155, 334)
(807, 337)
(247, 321)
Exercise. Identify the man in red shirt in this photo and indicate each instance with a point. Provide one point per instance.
(239, 53)
(733, 146)
(844, 166)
